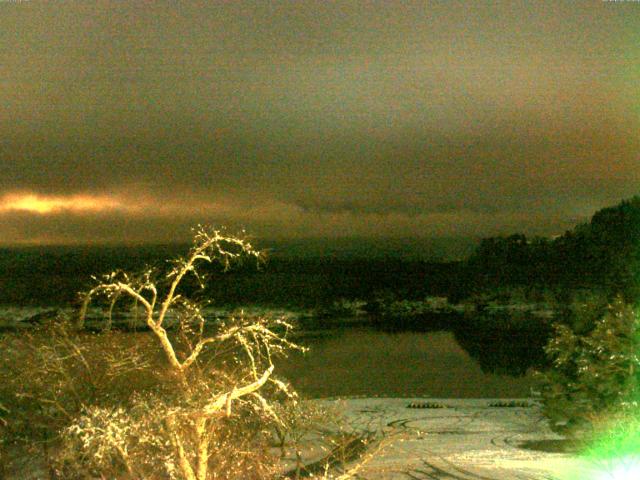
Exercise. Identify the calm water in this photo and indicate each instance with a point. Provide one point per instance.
(408, 364)
(468, 362)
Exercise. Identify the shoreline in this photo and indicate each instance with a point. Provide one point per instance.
(468, 440)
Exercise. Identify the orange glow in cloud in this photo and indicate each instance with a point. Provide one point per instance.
(140, 204)
(43, 205)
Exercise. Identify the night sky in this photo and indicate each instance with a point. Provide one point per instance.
(131, 121)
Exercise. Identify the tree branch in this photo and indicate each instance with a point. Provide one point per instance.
(236, 393)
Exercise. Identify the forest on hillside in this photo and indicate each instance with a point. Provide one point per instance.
(602, 254)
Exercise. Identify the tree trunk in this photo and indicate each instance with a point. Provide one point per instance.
(203, 448)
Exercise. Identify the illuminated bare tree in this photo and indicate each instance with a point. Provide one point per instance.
(209, 386)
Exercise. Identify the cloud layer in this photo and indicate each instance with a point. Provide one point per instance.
(130, 122)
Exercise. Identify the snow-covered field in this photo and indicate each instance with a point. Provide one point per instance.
(467, 439)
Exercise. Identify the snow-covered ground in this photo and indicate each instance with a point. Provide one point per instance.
(465, 439)
(468, 439)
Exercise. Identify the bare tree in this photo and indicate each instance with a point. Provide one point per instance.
(212, 368)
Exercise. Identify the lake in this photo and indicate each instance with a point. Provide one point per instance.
(475, 359)
(364, 361)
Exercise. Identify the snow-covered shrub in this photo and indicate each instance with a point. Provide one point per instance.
(184, 399)
(593, 374)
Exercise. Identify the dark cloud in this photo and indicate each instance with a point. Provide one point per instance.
(412, 118)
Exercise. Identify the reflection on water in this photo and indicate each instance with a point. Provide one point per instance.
(406, 364)
(481, 357)
(506, 351)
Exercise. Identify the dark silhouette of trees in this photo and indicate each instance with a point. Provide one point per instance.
(604, 252)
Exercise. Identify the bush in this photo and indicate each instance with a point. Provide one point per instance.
(185, 398)
(593, 375)
(615, 448)
(583, 309)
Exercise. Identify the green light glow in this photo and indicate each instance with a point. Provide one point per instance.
(615, 454)
(624, 469)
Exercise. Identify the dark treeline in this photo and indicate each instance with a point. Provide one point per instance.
(54, 275)
(602, 254)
